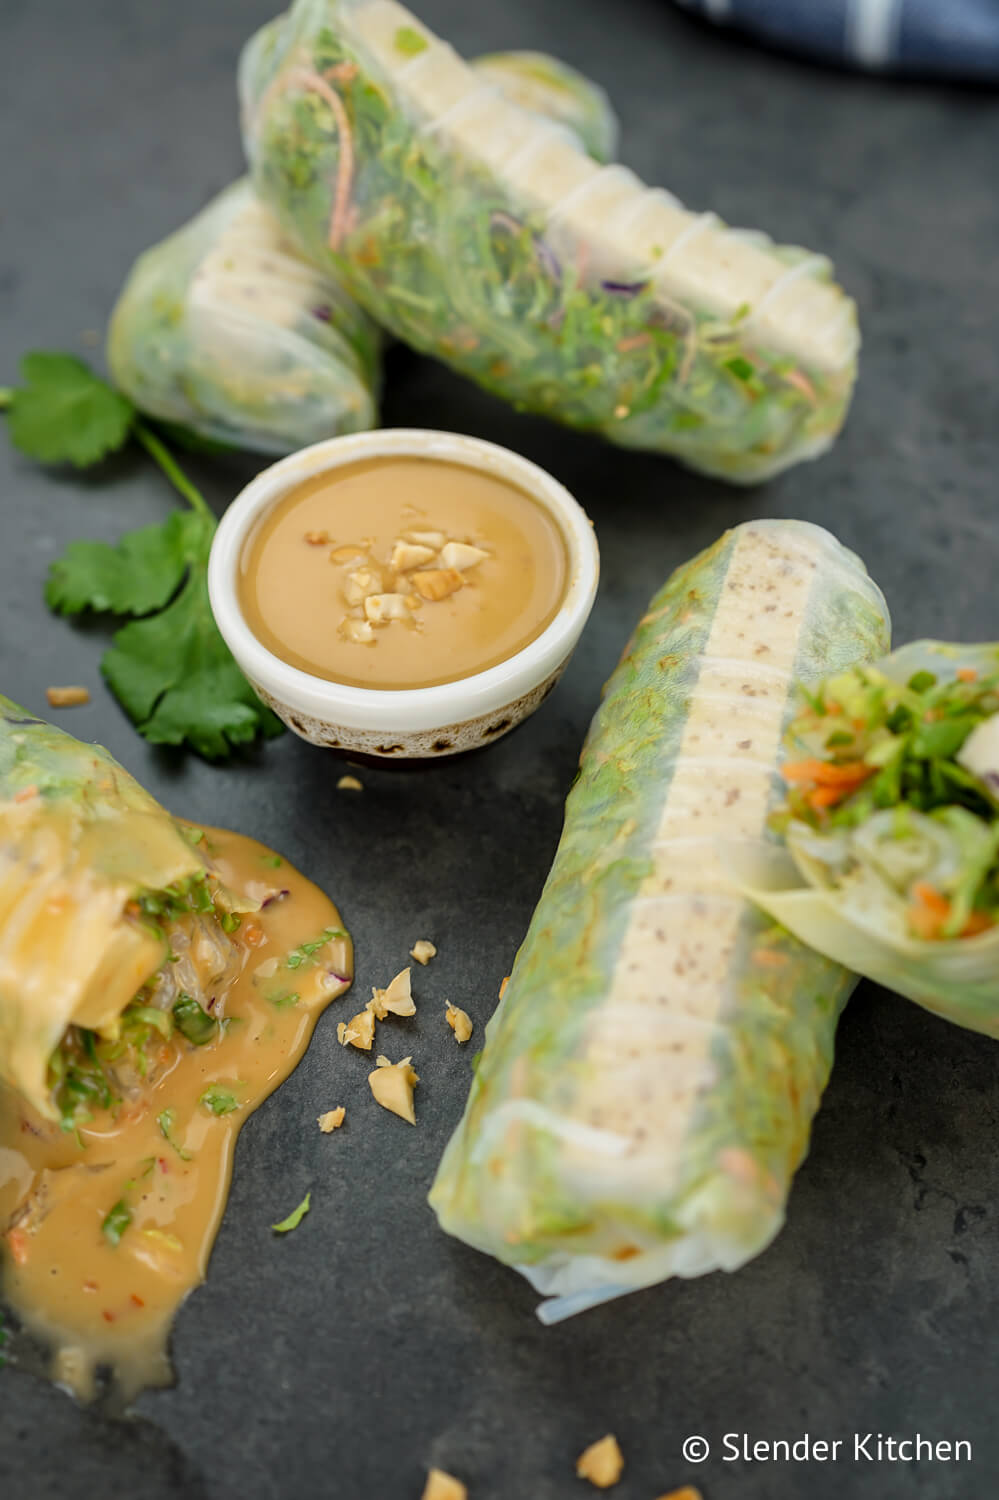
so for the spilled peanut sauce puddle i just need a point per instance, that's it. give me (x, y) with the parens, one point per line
(102, 1295)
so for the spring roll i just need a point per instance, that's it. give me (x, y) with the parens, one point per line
(98, 887)
(487, 237)
(892, 828)
(225, 327)
(649, 1080)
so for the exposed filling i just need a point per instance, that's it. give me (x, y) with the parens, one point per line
(893, 797)
(402, 573)
(110, 1211)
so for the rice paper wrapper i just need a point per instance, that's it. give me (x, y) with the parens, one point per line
(650, 1077)
(826, 892)
(79, 839)
(488, 237)
(547, 86)
(227, 328)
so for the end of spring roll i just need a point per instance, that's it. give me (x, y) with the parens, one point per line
(892, 827)
(488, 237)
(92, 873)
(649, 1080)
(225, 327)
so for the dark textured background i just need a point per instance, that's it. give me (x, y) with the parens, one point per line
(340, 1361)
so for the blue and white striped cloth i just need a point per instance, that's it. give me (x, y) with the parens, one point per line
(958, 37)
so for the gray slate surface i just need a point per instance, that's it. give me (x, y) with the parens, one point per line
(341, 1360)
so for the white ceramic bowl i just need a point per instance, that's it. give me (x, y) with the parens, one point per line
(420, 722)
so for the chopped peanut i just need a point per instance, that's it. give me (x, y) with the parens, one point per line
(406, 555)
(357, 630)
(432, 539)
(67, 697)
(601, 1463)
(346, 554)
(349, 784)
(379, 607)
(441, 1486)
(437, 583)
(459, 1021)
(361, 583)
(460, 555)
(392, 1085)
(331, 1120)
(423, 951)
(359, 1031)
(318, 538)
(396, 999)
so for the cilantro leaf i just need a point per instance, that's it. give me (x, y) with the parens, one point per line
(66, 413)
(219, 1100)
(169, 668)
(295, 1217)
(139, 575)
(171, 671)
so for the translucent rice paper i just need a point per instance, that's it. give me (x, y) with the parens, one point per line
(487, 237)
(832, 892)
(650, 1077)
(549, 87)
(226, 327)
(79, 839)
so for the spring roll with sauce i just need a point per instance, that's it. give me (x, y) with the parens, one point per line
(489, 238)
(650, 1077)
(892, 827)
(157, 981)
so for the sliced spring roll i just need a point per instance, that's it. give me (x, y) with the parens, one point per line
(96, 882)
(489, 238)
(225, 327)
(892, 828)
(649, 1080)
(157, 982)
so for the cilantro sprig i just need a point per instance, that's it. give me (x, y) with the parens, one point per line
(169, 667)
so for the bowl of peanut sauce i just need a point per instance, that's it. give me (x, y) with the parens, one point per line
(403, 593)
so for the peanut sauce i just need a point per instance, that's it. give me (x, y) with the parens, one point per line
(100, 1305)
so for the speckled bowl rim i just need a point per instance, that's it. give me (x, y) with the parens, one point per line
(407, 709)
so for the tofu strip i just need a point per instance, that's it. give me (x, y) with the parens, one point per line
(650, 1078)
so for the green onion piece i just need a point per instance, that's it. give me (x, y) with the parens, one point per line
(116, 1222)
(166, 1121)
(193, 1021)
(295, 1217)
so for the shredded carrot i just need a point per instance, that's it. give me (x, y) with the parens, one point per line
(25, 794)
(827, 796)
(966, 674)
(801, 383)
(137, 1300)
(107, 1315)
(769, 958)
(17, 1239)
(634, 341)
(503, 986)
(979, 921)
(825, 773)
(928, 910)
